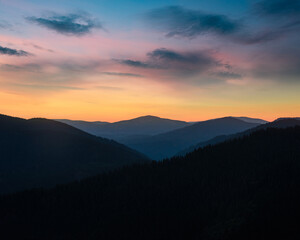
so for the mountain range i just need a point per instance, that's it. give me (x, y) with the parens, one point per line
(42, 153)
(166, 145)
(141, 126)
(160, 138)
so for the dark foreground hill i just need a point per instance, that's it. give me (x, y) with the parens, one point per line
(247, 188)
(41, 152)
(168, 144)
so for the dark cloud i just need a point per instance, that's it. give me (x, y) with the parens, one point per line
(286, 8)
(122, 74)
(228, 75)
(170, 56)
(177, 64)
(14, 52)
(134, 63)
(165, 54)
(179, 21)
(70, 25)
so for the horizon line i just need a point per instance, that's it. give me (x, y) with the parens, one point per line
(149, 115)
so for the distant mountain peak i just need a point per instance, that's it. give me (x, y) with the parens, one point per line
(143, 125)
(151, 117)
(251, 120)
(146, 117)
(287, 119)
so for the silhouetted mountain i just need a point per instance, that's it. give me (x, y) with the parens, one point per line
(278, 123)
(137, 127)
(168, 144)
(247, 188)
(286, 118)
(252, 120)
(41, 152)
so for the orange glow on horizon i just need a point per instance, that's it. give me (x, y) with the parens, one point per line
(95, 105)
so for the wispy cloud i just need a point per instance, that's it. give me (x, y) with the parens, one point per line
(47, 87)
(109, 88)
(281, 65)
(70, 67)
(2, 25)
(39, 47)
(70, 25)
(228, 75)
(120, 74)
(14, 52)
(259, 37)
(5, 25)
(135, 63)
(31, 67)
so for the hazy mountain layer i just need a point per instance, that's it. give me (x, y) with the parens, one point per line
(279, 123)
(141, 126)
(168, 144)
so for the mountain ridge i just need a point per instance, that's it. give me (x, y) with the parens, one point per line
(41, 152)
(167, 144)
(144, 125)
(278, 123)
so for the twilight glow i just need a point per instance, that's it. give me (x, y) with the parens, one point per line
(111, 60)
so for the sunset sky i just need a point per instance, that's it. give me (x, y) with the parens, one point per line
(109, 60)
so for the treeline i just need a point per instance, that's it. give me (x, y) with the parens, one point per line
(247, 188)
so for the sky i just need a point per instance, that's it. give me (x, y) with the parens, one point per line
(109, 60)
